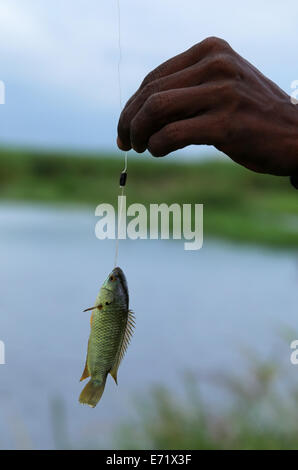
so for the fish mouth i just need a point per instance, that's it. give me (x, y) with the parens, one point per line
(121, 276)
(118, 272)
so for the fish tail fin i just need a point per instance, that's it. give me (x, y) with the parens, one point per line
(92, 392)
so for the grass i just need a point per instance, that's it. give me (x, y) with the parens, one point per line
(257, 411)
(238, 204)
(259, 417)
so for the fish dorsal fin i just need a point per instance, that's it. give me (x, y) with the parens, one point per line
(124, 345)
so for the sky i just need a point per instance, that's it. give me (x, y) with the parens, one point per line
(58, 59)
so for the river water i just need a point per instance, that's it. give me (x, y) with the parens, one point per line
(195, 311)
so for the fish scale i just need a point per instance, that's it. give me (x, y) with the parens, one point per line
(106, 336)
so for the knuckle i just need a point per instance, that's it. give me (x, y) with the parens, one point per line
(210, 42)
(194, 51)
(152, 105)
(147, 79)
(150, 89)
(155, 105)
(217, 63)
(223, 63)
(226, 90)
(213, 42)
(152, 76)
(230, 64)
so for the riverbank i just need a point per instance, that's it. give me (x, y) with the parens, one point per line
(238, 205)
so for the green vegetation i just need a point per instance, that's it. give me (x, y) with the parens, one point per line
(257, 411)
(239, 204)
(260, 416)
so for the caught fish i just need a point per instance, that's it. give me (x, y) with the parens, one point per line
(112, 326)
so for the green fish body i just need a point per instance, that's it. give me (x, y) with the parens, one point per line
(111, 328)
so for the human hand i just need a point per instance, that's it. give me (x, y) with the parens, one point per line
(211, 95)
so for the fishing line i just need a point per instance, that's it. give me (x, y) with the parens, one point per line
(123, 176)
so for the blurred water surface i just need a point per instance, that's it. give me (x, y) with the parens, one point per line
(195, 311)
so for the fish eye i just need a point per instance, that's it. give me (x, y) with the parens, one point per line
(108, 303)
(112, 278)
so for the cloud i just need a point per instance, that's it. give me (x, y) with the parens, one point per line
(66, 52)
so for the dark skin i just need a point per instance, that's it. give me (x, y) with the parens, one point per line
(211, 95)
